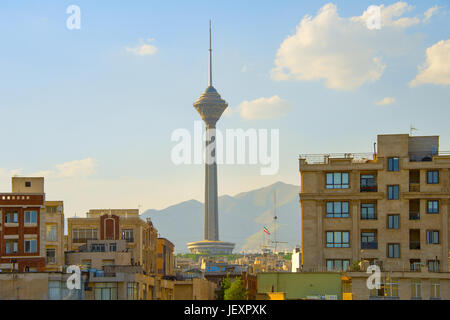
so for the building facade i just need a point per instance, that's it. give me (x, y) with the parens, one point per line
(389, 208)
(31, 228)
(117, 224)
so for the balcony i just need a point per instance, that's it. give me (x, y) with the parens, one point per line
(369, 188)
(414, 245)
(369, 245)
(325, 158)
(414, 216)
(414, 187)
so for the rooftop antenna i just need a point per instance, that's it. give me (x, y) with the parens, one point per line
(411, 129)
(275, 218)
(210, 57)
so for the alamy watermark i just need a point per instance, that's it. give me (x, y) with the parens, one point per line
(73, 22)
(236, 146)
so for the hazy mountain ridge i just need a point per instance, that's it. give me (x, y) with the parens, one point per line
(241, 218)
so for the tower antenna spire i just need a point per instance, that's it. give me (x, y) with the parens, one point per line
(210, 57)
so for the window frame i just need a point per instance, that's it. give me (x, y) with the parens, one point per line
(389, 224)
(334, 214)
(335, 185)
(392, 161)
(394, 186)
(337, 244)
(433, 172)
(433, 233)
(30, 246)
(394, 245)
(27, 216)
(367, 214)
(433, 207)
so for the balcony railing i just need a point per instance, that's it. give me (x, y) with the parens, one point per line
(414, 245)
(414, 187)
(426, 155)
(325, 158)
(369, 245)
(414, 216)
(368, 188)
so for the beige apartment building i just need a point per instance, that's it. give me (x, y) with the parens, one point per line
(389, 208)
(31, 228)
(117, 224)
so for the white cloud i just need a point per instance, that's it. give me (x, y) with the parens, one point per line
(342, 51)
(144, 49)
(385, 101)
(429, 13)
(72, 169)
(264, 108)
(436, 69)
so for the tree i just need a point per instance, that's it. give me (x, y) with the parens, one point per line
(236, 290)
(226, 283)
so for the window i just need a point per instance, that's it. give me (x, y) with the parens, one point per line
(98, 247)
(393, 221)
(393, 250)
(433, 177)
(11, 217)
(388, 289)
(369, 240)
(31, 246)
(86, 264)
(51, 256)
(51, 232)
(113, 247)
(433, 206)
(433, 265)
(416, 289)
(337, 180)
(414, 264)
(82, 235)
(30, 217)
(338, 239)
(393, 192)
(338, 264)
(132, 292)
(105, 291)
(392, 164)
(128, 234)
(28, 184)
(10, 246)
(435, 289)
(368, 211)
(337, 209)
(367, 183)
(433, 237)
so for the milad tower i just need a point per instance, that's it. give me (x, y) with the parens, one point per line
(210, 106)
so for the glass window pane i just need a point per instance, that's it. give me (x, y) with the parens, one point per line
(329, 207)
(337, 178)
(337, 208)
(329, 178)
(345, 207)
(345, 178)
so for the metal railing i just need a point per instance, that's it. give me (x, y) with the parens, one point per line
(416, 156)
(369, 245)
(414, 216)
(324, 158)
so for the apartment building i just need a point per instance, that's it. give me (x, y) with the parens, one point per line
(31, 228)
(117, 224)
(165, 261)
(389, 208)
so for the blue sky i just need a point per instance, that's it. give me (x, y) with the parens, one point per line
(96, 119)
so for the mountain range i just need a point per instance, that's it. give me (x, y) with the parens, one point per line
(242, 219)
